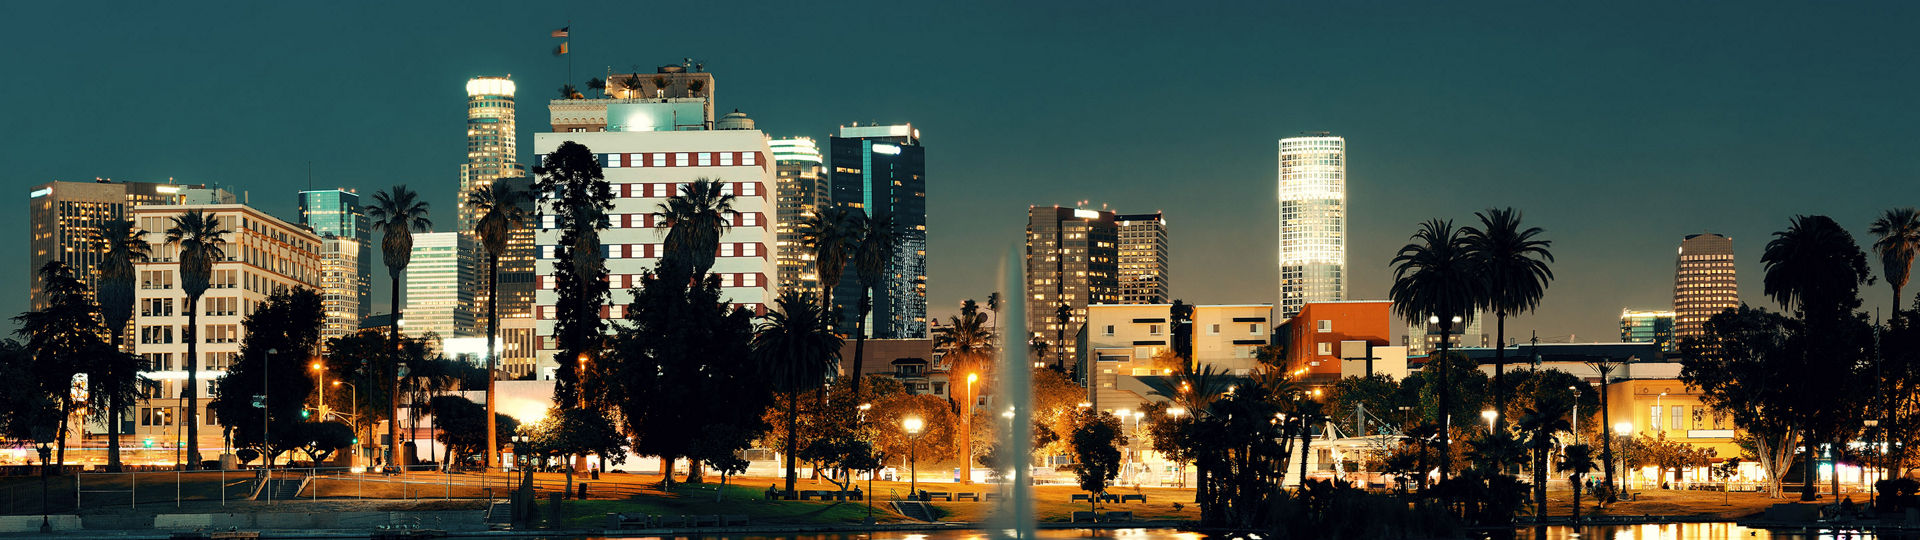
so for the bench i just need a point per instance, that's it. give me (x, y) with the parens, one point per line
(1085, 517)
(1080, 497)
(1118, 517)
(965, 496)
(988, 496)
(733, 520)
(623, 521)
(702, 520)
(1135, 498)
(1108, 497)
(931, 495)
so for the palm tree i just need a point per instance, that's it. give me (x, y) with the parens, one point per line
(694, 220)
(1546, 418)
(832, 234)
(397, 213)
(993, 305)
(200, 237)
(1577, 461)
(501, 213)
(1310, 414)
(1813, 266)
(797, 348)
(970, 345)
(1434, 280)
(1898, 239)
(1514, 264)
(870, 264)
(126, 245)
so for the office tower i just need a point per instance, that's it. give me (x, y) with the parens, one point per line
(490, 142)
(337, 213)
(802, 192)
(1648, 326)
(645, 163)
(881, 170)
(1313, 221)
(1143, 259)
(65, 218)
(343, 294)
(1703, 283)
(435, 298)
(1072, 261)
(1424, 337)
(264, 255)
(672, 98)
(516, 265)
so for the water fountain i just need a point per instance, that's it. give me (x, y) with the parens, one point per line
(1013, 514)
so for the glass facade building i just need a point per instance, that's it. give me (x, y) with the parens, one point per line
(1703, 282)
(1143, 259)
(337, 213)
(1072, 261)
(802, 189)
(1648, 326)
(882, 170)
(1313, 221)
(435, 298)
(65, 219)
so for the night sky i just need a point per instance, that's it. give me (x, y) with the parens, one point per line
(1619, 128)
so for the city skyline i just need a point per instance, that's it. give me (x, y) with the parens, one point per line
(1434, 136)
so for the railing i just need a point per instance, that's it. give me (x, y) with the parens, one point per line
(70, 488)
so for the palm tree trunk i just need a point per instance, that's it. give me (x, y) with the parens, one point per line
(1499, 370)
(793, 438)
(394, 457)
(1576, 501)
(1807, 491)
(860, 340)
(192, 391)
(1606, 437)
(113, 407)
(1306, 445)
(1446, 418)
(1540, 473)
(493, 329)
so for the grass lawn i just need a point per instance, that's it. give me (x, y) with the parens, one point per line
(738, 499)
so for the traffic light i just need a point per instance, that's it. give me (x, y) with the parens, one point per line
(305, 414)
(356, 440)
(147, 443)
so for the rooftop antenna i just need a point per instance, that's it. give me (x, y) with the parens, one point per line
(309, 175)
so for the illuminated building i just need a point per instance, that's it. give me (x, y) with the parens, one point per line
(1072, 257)
(802, 191)
(1317, 335)
(1648, 326)
(517, 280)
(1143, 259)
(65, 219)
(1703, 283)
(881, 170)
(491, 156)
(1123, 339)
(1313, 221)
(1424, 337)
(645, 162)
(436, 300)
(345, 285)
(264, 255)
(673, 98)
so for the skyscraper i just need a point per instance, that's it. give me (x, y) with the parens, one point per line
(337, 213)
(1313, 221)
(1143, 259)
(1648, 326)
(66, 218)
(1072, 261)
(802, 191)
(1703, 282)
(516, 265)
(435, 298)
(491, 156)
(881, 170)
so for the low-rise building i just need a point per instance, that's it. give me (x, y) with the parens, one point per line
(1322, 334)
(1124, 340)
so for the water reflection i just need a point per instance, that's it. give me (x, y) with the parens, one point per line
(1662, 531)
(1042, 534)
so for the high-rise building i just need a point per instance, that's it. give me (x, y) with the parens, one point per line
(1143, 259)
(491, 156)
(1648, 326)
(1072, 262)
(802, 192)
(1313, 221)
(646, 163)
(1703, 283)
(264, 255)
(436, 300)
(881, 170)
(337, 213)
(516, 265)
(65, 219)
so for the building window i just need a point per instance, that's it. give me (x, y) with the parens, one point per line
(1325, 326)
(1109, 329)
(1679, 416)
(1326, 348)
(1656, 419)
(1213, 330)
(1254, 329)
(1153, 329)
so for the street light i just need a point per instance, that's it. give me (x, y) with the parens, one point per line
(1656, 412)
(913, 424)
(1576, 413)
(1873, 488)
(1623, 429)
(353, 398)
(1490, 415)
(320, 370)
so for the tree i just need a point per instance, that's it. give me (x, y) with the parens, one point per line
(1667, 455)
(1577, 461)
(200, 238)
(463, 426)
(282, 334)
(870, 262)
(575, 190)
(1096, 440)
(682, 344)
(1377, 394)
(832, 234)
(1180, 318)
(1541, 422)
(935, 443)
(1605, 367)
(1897, 240)
(797, 349)
(64, 340)
(319, 440)
(364, 360)
(694, 220)
(1434, 278)
(1815, 269)
(501, 213)
(970, 351)
(575, 432)
(1737, 363)
(397, 213)
(1513, 263)
(126, 245)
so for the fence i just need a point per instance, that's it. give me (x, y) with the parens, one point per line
(70, 490)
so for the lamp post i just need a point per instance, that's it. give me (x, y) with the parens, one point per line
(43, 438)
(320, 402)
(260, 400)
(1623, 429)
(1490, 415)
(1576, 413)
(913, 425)
(353, 400)
(868, 496)
(1657, 411)
(966, 454)
(1872, 488)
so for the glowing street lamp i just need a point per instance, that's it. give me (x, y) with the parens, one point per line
(914, 425)
(1623, 429)
(1490, 415)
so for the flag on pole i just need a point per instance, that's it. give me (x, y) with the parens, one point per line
(562, 49)
(562, 32)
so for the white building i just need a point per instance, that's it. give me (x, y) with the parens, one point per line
(341, 287)
(263, 255)
(646, 167)
(1313, 221)
(1122, 340)
(437, 297)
